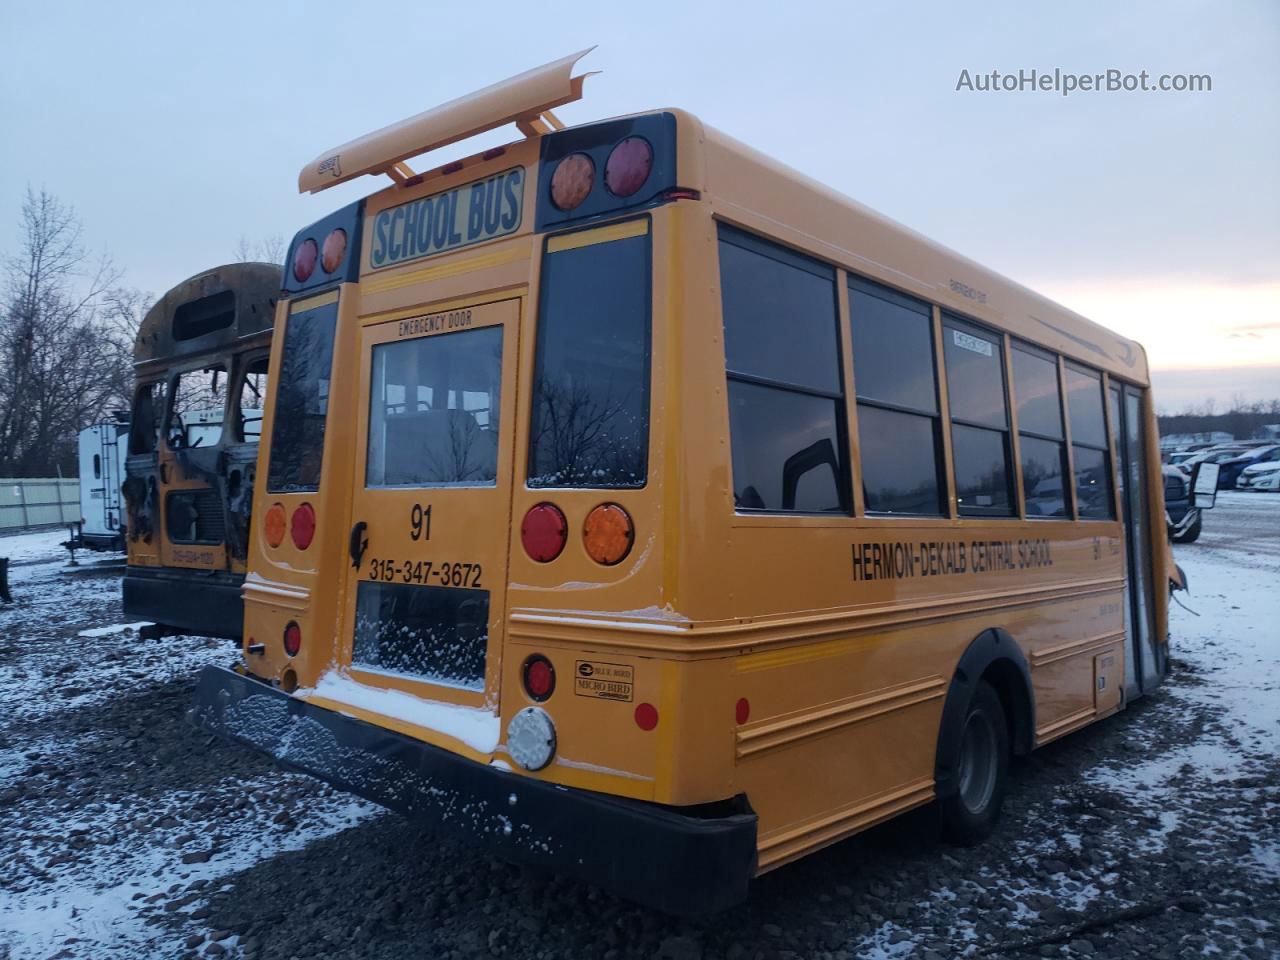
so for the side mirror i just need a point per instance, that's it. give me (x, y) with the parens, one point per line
(1204, 485)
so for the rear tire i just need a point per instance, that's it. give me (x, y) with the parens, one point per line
(1191, 534)
(971, 813)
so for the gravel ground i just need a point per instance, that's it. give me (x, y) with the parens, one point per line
(125, 834)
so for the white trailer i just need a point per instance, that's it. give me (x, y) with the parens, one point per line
(103, 448)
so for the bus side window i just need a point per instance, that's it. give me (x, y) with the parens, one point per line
(1089, 443)
(148, 411)
(899, 429)
(979, 418)
(782, 362)
(1040, 433)
(253, 398)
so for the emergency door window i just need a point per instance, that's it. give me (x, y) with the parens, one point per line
(433, 411)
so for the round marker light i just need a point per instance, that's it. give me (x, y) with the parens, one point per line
(544, 532)
(608, 534)
(628, 166)
(273, 525)
(539, 677)
(302, 526)
(292, 639)
(304, 260)
(742, 710)
(531, 738)
(646, 716)
(335, 248)
(572, 181)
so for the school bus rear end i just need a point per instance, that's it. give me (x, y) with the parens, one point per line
(499, 573)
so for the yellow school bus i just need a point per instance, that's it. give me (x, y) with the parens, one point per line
(200, 361)
(674, 515)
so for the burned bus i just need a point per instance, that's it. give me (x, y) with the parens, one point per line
(201, 366)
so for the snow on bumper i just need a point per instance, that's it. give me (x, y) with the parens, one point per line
(655, 855)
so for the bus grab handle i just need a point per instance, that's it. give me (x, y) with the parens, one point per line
(358, 543)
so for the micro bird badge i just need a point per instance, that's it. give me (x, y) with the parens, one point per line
(331, 166)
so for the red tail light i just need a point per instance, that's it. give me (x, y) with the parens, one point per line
(292, 639)
(304, 260)
(742, 710)
(302, 526)
(544, 532)
(628, 166)
(335, 248)
(539, 677)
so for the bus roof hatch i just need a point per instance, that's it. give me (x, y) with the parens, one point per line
(525, 100)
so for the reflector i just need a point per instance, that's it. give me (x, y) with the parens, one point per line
(292, 639)
(539, 677)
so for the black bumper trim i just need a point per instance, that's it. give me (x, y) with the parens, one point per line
(197, 604)
(655, 855)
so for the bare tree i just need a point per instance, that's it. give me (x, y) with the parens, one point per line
(59, 358)
(270, 249)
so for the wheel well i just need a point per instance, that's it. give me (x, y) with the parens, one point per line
(1007, 681)
(993, 656)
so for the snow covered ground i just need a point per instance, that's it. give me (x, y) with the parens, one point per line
(125, 834)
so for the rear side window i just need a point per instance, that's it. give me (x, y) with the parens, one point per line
(898, 417)
(1040, 435)
(782, 361)
(302, 401)
(1089, 451)
(590, 423)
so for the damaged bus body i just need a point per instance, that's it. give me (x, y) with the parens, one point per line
(201, 366)
(680, 516)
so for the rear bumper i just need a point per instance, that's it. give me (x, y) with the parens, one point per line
(190, 602)
(658, 856)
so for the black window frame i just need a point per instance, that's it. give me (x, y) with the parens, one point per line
(1108, 467)
(867, 287)
(953, 321)
(1064, 461)
(772, 249)
(538, 354)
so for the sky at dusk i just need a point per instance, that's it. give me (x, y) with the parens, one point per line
(177, 129)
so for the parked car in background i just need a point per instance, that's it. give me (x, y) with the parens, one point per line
(1183, 519)
(1217, 454)
(1231, 468)
(1260, 476)
(1180, 456)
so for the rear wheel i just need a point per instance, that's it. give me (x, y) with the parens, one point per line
(972, 811)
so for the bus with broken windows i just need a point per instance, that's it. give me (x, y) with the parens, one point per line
(200, 360)
(680, 516)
